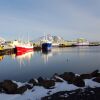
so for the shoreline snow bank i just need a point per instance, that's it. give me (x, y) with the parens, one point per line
(37, 89)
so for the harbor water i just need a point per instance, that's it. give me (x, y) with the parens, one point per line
(23, 67)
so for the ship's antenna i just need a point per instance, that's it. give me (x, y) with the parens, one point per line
(44, 36)
(28, 37)
(19, 38)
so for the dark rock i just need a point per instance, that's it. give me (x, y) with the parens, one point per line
(9, 87)
(56, 74)
(87, 94)
(86, 76)
(21, 90)
(68, 76)
(95, 73)
(56, 78)
(40, 79)
(1, 87)
(98, 75)
(32, 81)
(78, 82)
(97, 79)
(48, 83)
(91, 75)
(28, 86)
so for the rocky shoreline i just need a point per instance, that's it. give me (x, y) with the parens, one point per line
(66, 86)
(79, 94)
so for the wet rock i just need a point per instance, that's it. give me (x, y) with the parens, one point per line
(68, 76)
(97, 79)
(9, 87)
(78, 82)
(21, 90)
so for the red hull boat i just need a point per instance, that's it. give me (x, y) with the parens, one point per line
(24, 48)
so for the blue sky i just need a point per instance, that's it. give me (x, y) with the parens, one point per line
(67, 18)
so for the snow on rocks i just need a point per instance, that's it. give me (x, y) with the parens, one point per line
(36, 89)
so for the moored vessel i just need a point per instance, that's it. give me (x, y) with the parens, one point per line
(81, 42)
(46, 43)
(24, 47)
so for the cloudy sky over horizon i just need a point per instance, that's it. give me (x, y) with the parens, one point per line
(67, 18)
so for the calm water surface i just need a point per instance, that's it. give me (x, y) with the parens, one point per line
(34, 64)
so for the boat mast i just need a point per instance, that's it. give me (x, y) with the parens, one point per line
(28, 37)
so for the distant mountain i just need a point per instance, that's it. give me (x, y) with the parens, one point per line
(49, 37)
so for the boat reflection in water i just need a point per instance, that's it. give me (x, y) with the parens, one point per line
(1, 57)
(23, 57)
(46, 55)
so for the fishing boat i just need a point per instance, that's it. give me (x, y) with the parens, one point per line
(81, 42)
(24, 47)
(55, 44)
(46, 44)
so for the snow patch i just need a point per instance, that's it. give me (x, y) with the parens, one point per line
(37, 92)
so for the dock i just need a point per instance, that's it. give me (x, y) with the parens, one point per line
(7, 51)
